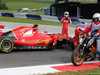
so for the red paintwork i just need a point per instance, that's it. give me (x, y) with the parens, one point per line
(34, 39)
(1, 29)
(74, 68)
(30, 36)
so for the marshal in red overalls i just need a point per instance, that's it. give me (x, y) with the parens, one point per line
(66, 21)
(81, 26)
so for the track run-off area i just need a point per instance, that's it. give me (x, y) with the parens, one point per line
(23, 62)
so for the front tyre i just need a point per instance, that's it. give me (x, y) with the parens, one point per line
(6, 45)
(76, 59)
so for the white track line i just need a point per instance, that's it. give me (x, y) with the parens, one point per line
(29, 70)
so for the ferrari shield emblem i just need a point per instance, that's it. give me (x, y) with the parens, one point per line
(39, 42)
(56, 36)
(23, 31)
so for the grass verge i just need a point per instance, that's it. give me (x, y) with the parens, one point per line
(13, 6)
(31, 21)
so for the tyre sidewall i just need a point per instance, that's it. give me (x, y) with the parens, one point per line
(6, 51)
(72, 57)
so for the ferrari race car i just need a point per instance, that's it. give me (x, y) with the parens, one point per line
(29, 37)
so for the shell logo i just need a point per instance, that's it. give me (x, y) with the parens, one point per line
(47, 41)
(39, 41)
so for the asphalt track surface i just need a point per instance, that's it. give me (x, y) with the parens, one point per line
(21, 58)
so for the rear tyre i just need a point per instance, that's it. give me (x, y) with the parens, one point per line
(6, 45)
(50, 46)
(59, 45)
(76, 59)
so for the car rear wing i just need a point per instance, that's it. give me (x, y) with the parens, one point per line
(1, 29)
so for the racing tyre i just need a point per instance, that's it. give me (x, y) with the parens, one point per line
(50, 46)
(6, 45)
(76, 59)
(59, 45)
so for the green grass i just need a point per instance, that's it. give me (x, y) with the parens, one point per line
(95, 71)
(31, 21)
(30, 5)
(89, 1)
(13, 6)
(28, 0)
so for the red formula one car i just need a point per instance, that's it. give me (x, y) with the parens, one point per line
(29, 37)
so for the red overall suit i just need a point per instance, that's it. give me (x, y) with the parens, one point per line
(65, 22)
(77, 32)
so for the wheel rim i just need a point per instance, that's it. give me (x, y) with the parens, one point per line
(77, 59)
(6, 45)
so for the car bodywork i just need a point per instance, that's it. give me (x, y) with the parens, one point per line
(30, 37)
